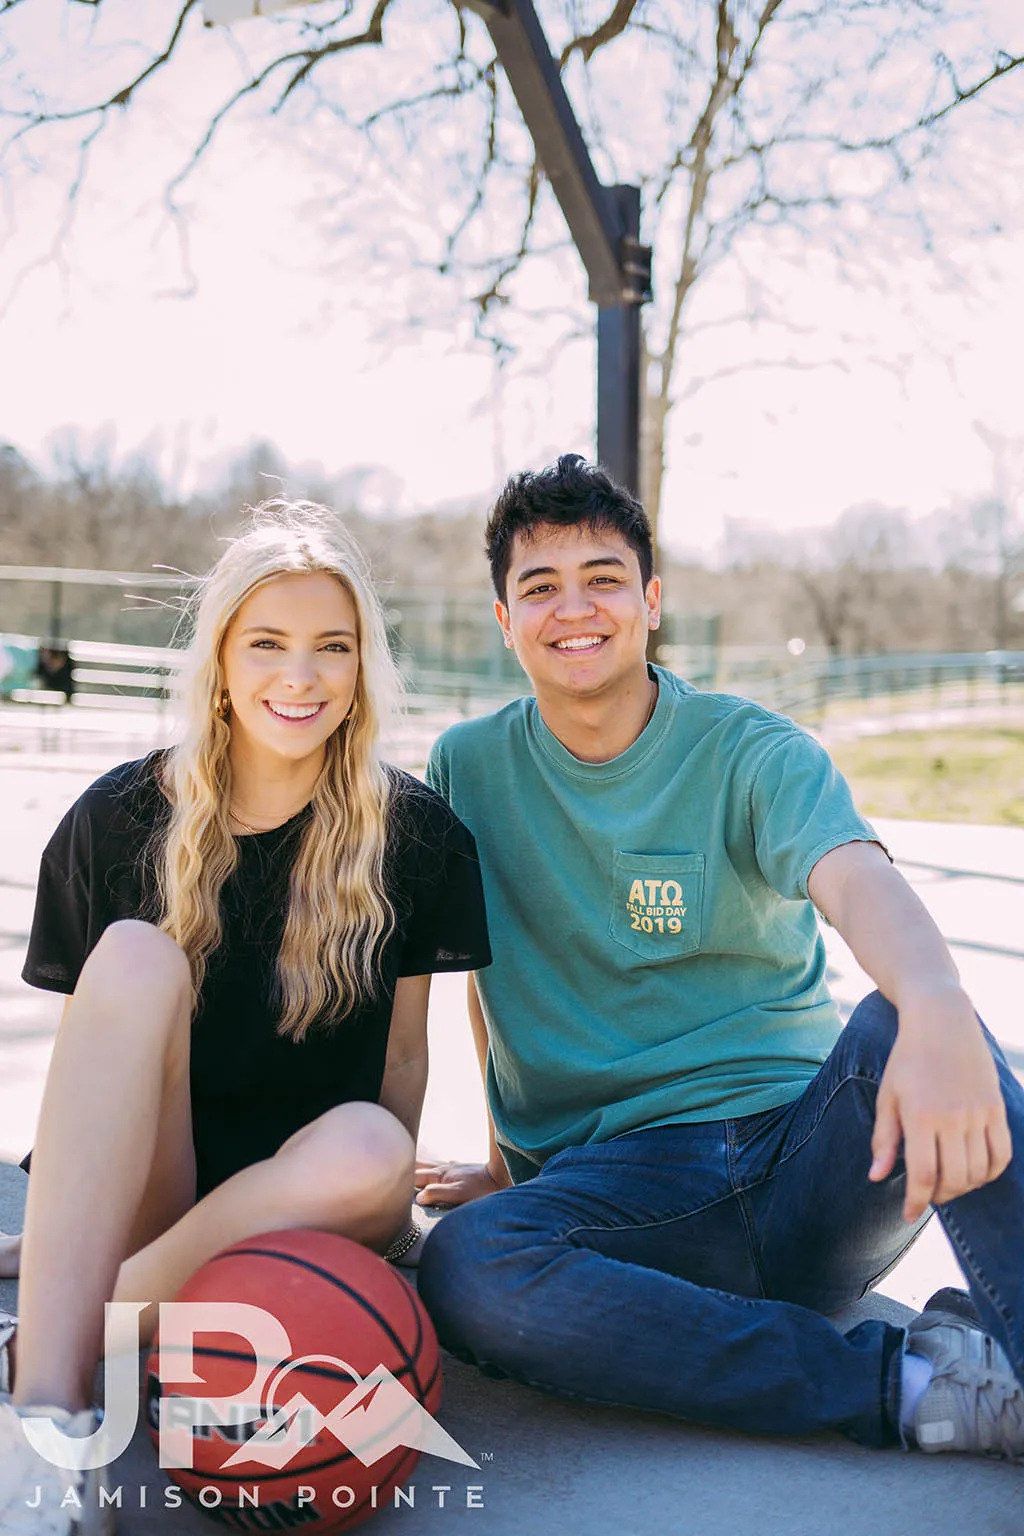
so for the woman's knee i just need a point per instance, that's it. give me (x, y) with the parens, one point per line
(358, 1152)
(136, 989)
(135, 957)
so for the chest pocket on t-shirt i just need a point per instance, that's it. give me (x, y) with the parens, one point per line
(657, 901)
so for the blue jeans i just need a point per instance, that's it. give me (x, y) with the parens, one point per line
(686, 1268)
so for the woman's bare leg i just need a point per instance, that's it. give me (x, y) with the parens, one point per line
(113, 1160)
(350, 1171)
(113, 1169)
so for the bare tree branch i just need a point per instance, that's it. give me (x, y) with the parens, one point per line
(372, 36)
(613, 26)
(1006, 64)
(421, 98)
(122, 97)
(725, 87)
(493, 294)
(790, 364)
(54, 256)
(480, 190)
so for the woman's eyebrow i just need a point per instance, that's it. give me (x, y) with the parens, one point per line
(327, 634)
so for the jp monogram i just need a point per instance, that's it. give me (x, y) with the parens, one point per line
(373, 1416)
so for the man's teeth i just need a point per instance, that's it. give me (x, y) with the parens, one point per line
(584, 643)
(294, 711)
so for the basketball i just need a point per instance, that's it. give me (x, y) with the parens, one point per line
(356, 1345)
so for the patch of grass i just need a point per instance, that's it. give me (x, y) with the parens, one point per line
(974, 775)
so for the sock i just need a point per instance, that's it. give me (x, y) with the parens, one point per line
(7, 1329)
(917, 1373)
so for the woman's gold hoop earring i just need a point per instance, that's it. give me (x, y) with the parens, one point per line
(222, 708)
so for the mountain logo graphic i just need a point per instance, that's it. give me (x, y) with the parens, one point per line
(378, 1416)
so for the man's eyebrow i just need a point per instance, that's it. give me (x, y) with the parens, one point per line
(549, 570)
(327, 634)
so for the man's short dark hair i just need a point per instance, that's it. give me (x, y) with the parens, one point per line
(569, 494)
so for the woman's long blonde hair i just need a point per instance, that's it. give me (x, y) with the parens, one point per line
(339, 914)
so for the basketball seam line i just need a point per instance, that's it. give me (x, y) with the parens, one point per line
(383, 1324)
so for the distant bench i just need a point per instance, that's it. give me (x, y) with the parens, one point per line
(104, 673)
(112, 683)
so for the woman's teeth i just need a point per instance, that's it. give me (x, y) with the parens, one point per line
(294, 711)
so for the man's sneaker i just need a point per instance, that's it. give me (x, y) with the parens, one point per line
(973, 1402)
(8, 1325)
(38, 1499)
(951, 1299)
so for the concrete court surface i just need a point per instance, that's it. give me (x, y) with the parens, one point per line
(553, 1467)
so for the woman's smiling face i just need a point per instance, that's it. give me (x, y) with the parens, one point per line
(290, 660)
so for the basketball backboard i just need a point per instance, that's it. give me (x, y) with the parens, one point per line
(224, 12)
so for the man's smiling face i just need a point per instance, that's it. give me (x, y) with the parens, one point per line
(576, 611)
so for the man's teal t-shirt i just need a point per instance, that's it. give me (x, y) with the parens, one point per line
(656, 958)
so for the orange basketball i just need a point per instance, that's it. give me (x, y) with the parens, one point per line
(362, 1349)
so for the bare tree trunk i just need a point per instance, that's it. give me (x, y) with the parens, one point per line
(652, 455)
(725, 85)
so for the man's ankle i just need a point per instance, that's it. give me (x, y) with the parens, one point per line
(916, 1374)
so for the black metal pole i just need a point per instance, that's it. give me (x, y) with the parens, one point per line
(618, 393)
(618, 356)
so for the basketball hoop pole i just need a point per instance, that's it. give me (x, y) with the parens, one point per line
(604, 223)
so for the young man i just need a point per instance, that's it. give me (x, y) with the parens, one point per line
(702, 1162)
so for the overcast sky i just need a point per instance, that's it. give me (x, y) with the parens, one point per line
(280, 341)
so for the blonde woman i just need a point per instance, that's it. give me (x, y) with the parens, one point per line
(245, 925)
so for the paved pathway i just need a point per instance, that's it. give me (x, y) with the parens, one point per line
(552, 1467)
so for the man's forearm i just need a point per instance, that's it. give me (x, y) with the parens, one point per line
(886, 925)
(939, 1097)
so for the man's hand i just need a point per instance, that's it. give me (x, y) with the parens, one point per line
(457, 1183)
(940, 1091)
(940, 1094)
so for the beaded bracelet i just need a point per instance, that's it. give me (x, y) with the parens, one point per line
(402, 1244)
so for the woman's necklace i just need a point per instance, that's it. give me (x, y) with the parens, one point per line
(235, 817)
(258, 830)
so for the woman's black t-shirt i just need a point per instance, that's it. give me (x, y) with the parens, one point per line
(252, 1087)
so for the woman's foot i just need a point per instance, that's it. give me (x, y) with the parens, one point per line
(10, 1255)
(36, 1497)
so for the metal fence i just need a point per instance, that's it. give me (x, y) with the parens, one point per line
(815, 689)
(445, 641)
(450, 651)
